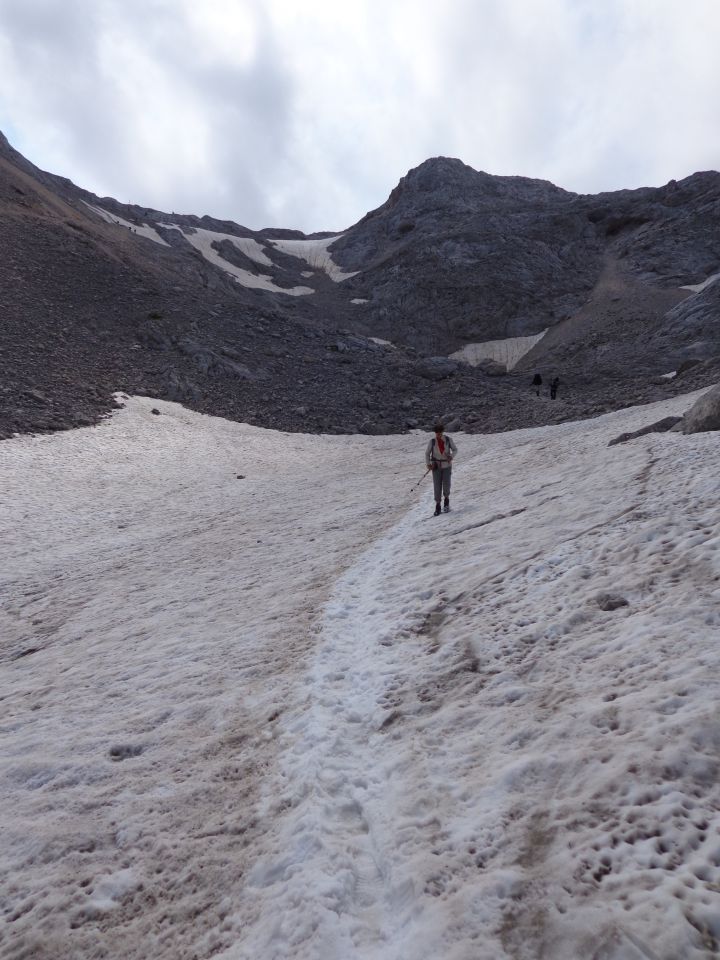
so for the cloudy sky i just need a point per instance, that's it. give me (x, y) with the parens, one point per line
(305, 113)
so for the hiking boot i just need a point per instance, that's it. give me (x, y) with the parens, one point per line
(437, 509)
(446, 506)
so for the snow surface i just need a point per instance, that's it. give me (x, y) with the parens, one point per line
(359, 300)
(699, 287)
(142, 230)
(315, 252)
(293, 715)
(508, 351)
(203, 241)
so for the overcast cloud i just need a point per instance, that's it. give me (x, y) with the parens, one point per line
(306, 114)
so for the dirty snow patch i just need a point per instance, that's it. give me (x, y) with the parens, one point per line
(699, 287)
(203, 241)
(315, 252)
(302, 743)
(142, 230)
(509, 351)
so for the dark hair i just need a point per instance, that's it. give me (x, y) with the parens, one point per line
(439, 427)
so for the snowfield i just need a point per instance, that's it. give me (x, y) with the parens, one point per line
(204, 240)
(294, 716)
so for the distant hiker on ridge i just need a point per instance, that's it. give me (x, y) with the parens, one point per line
(439, 455)
(554, 384)
(537, 383)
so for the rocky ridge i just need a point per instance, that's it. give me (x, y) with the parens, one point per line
(454, 256)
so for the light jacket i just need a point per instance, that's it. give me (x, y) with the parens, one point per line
(433, 455)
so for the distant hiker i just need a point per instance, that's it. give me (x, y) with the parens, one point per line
(439, 455)
(537, 383)
(554, 384)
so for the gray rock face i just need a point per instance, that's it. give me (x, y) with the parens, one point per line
(690, 331)
(452, 245)
(704, 414)
(457, 256)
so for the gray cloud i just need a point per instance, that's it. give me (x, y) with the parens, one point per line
(272, 112)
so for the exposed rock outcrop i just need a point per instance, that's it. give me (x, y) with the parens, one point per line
(704, 414)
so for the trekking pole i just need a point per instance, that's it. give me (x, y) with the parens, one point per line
(421, 479)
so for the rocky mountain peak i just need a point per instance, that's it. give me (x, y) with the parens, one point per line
(448, 183)
(292, 332)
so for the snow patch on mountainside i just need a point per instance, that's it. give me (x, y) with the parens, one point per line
(315, 252)
(699, 287)
(203, 241)
(142, 230)
(509, 351)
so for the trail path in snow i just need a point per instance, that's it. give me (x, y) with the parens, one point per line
(293, 716)
(433, 767)
(155, 613)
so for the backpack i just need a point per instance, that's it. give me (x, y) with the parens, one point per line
(447, 446)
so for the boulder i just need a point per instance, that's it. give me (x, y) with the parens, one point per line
(611, 601)
(437, 368)
(492, 368)
(704, 414)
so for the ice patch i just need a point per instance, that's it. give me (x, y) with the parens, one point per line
(509, 351)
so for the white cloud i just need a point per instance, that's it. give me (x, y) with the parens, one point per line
(306, 114)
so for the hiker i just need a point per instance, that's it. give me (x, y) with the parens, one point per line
(537, 383)
(439, 455)
(554, 384)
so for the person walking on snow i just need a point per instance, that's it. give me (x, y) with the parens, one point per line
(439, 455)
(537, 383)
